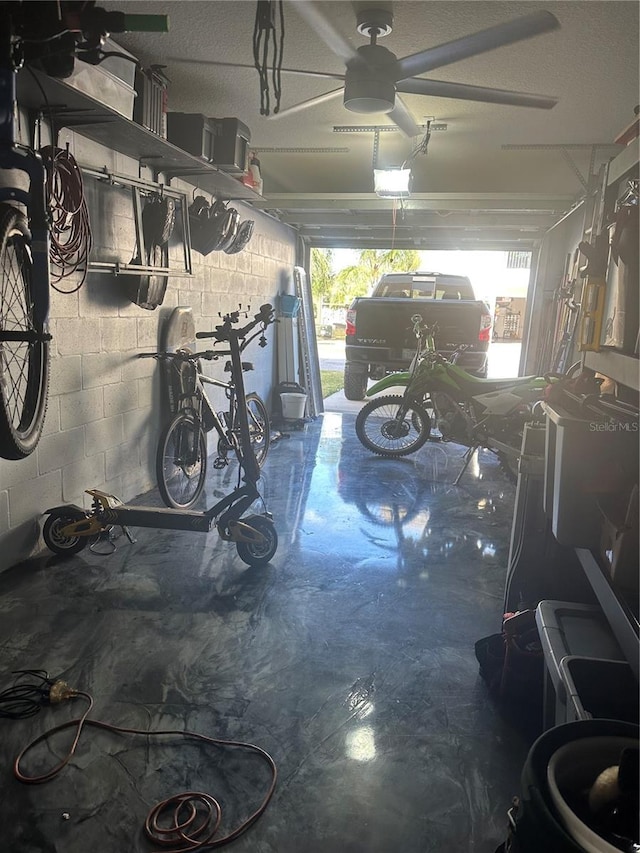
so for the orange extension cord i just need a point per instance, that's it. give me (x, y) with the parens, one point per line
(184, 822)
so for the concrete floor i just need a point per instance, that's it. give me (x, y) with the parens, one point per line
(349, 658)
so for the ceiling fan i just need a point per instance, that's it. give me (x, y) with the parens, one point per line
(375, 77)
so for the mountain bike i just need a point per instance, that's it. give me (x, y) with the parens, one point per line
(181, 458)
(47, 36)
(69, 528)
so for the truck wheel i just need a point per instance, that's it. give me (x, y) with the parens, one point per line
(355, 382)
(381, 432)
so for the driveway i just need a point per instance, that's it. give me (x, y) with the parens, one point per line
(503, 362)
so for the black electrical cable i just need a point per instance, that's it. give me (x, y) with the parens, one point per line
(25, 698)
(181, 823)
(264, 30)
(277, 59)
(258, 31)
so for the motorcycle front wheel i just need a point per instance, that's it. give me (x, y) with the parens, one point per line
(381, 430)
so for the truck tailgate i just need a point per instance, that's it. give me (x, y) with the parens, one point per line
(387, 322)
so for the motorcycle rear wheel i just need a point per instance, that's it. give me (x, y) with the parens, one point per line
(380, 431)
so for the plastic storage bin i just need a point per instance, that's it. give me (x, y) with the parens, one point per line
(582, 662)
(605, 689)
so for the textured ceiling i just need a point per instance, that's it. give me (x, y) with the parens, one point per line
(468, 183)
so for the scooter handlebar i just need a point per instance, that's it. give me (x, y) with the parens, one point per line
(265, 315)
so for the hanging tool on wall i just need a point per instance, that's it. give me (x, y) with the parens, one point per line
(594, 272)
(269, 14)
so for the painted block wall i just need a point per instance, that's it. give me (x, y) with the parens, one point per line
(104, 412)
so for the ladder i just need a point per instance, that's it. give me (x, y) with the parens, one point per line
(308, 343)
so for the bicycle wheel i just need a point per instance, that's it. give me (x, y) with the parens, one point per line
(380, 431)
(258, 427)
(181, 462)
(24, 364)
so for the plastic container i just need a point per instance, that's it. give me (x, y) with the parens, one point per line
(576, 631)
(571, 771)
(606, 689)
(538, 824)
(293, 406)
(289, 305)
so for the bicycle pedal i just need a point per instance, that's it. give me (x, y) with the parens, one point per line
(220, 462)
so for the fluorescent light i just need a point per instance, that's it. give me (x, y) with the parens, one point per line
(392, 183)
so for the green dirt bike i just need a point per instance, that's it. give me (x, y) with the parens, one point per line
(440, 396)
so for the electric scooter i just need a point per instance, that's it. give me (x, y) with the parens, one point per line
(69, 528)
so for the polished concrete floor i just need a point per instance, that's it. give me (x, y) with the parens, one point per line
(349, 658)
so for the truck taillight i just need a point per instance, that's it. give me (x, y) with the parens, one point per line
(485, 327)
(351, 322)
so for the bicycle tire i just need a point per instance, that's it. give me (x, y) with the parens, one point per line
(380, 433)
(259, 429)
(24, 365)
(181, 462)
(259, 553)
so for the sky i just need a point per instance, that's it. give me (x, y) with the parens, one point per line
(487, 270)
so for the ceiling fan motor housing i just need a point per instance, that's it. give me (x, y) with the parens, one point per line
(368, 84)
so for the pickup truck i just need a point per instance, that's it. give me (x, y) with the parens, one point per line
(379, 338)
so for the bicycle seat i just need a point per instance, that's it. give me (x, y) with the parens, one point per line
(246, 365)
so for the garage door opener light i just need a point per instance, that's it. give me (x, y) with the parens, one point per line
(392, 183)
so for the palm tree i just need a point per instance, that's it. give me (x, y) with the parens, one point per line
(359, 279)
(322, 274)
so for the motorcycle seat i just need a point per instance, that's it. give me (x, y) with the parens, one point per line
(485, 386)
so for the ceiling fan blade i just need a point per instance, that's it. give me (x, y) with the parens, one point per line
(480, 42)
(323, 27)
(442, 89)
(326, 75)
(401, 116)
(310, 102)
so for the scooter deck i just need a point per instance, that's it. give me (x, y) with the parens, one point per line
(162, 517)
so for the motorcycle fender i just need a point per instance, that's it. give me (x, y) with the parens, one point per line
(391, 381)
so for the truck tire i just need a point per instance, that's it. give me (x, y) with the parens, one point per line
(355, 382)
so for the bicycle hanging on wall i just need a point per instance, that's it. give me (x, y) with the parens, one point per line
(68, 529)
(48, 36)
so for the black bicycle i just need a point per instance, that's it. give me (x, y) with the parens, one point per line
(48, 37)
(182, 457)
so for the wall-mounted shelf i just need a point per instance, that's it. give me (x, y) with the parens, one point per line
(75, 110)
(618, 366)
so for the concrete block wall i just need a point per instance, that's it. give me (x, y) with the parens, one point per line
(104, 413)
